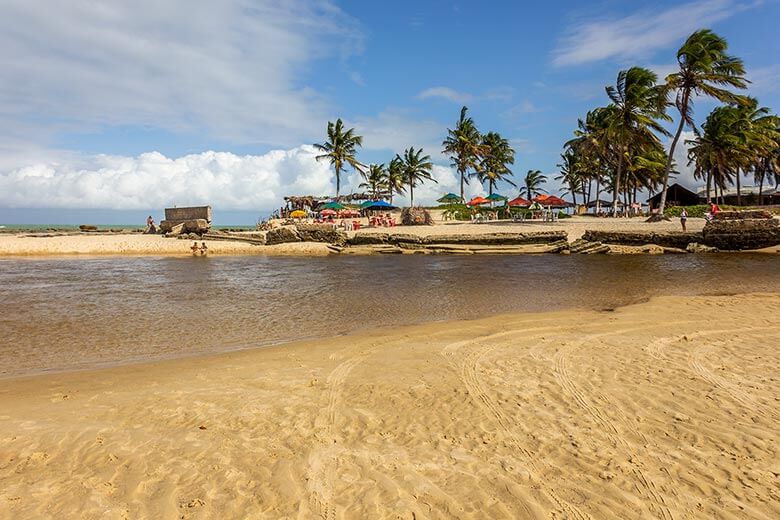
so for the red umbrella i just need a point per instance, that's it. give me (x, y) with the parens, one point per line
(520, 201)
(476, 201)
(327, 212)
(550, 200)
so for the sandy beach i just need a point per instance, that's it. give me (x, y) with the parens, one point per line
(96, 244)
(666, 409)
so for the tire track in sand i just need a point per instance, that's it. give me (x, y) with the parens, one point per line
(646, 487)
(469, 374)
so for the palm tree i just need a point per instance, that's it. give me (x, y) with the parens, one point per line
(493, 166)
(340, 149)
(376, 180)
(717, 151)
(767, 161)
(463, 146)
(758, 132)
(395, 177)
(533, 181)
(704, 69)
(632, 118)
(417, 169)
(571, 174)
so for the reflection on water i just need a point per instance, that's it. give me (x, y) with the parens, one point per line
(69, 314)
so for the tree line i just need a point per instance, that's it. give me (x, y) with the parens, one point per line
(616, 147)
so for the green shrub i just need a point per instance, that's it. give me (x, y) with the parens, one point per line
(561, 215)
(697, 211)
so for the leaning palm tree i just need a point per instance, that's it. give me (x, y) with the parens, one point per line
(632, 120)
(463, 146)
(533, 182)
(376, 180)
(395, 177)
(571, 174)
(705, 69)
(417, 169)
(340, 149)
(495, 161)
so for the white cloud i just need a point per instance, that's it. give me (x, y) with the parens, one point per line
(638, 34)
(232, 70)
(224, 180)
(445, 93)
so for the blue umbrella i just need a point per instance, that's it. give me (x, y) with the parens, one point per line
(379, 204)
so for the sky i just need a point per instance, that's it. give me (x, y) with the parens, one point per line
(113, 110)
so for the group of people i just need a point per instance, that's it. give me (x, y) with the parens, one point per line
(201, 250)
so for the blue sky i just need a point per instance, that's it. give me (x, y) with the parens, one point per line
(126, 108)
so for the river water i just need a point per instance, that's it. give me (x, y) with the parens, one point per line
(60, 314)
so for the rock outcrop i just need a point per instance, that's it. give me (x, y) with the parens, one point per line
(679, 240)
(282, 235)
(321, 233)
(756, 230)
(585, 247)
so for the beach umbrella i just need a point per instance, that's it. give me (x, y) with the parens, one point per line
(450, 198)
(476, 201)
(367, 203)
(551, 200)
(495, 197)
(379, 205)
(331, 205)
(327, 212)
(298, 213)
(519, 202)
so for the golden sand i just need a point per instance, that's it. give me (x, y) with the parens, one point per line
(667, 409)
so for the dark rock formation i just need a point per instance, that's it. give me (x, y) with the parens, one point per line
(498, 239)
(321, 233)
(416, 217)
(585, 247)
(365, 239)
(732, 234)
(678, 240)
(282, 235)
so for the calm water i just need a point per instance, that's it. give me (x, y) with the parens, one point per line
(71, 314)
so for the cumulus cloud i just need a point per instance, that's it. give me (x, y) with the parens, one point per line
(640, 33)
(224, 180)
(445, 93)
(234, 70)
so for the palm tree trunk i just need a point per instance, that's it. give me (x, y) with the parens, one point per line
(616, 190)
(739, 195)
(411, 195)
(462, 178)
(669, 159)
(761, 187)
(338, 182)
(709, 182)
(598, 194)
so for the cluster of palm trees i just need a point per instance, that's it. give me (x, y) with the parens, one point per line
(618, 146)
(403, 171)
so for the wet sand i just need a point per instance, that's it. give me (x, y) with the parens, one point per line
(666, 409)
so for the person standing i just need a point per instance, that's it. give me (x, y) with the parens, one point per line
(683, 218)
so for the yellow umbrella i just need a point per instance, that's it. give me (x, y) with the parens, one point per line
(298, 213)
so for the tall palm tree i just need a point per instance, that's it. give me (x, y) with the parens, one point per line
(494, 164)
(767, 161)
(463, 146)
(632, 120)
(571, 173)
(717, 151)
(758, 132)
(417, 169)
(395, 177)
(340, 149)
(705, 69)
(376, 180)
(533, 182)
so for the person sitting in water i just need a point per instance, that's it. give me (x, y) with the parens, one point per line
(203, 249)
(195, 249)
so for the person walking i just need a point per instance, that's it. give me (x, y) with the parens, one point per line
(683, 218)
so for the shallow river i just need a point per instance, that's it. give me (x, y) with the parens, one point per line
(73, 314)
